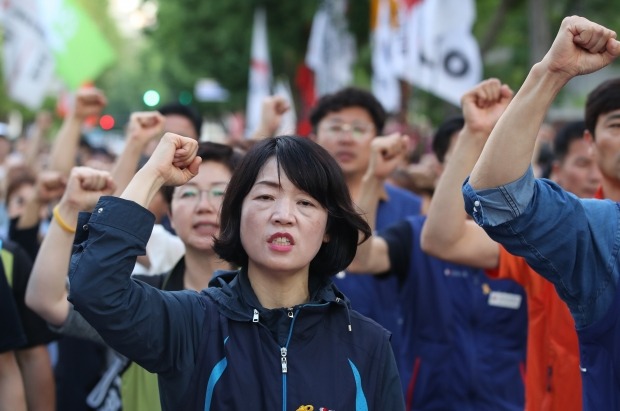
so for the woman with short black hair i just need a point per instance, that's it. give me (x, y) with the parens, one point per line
(275, 334)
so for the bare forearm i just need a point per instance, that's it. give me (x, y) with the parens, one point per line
(262, 133)
(34, 147)
(445, 223)
(367, 202)
(126, 165)
(374, 258)
(64, 148)
(508, 153)
(46, 293)
(143, 187)
(368, 199)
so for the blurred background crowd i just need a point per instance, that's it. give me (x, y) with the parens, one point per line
(96, 84)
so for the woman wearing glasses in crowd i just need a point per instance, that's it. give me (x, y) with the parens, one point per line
(194, 214)
(275, 334)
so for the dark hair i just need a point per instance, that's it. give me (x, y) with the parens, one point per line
(602, 100)
(18, 177)
(84, 143)
(216, 152)
(185, 111)
(310, 168)
(443, 136)
(565, 136)
(103, 152)
(346, 98)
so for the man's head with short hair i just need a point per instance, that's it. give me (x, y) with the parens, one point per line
(347, 98)
(602, 117)
(568, 133)
(602, 100)
(344, 123)
(444, 136)
(100, 158)
(574, 167)
(182, 119)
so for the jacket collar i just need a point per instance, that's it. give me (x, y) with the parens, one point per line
(232, 292)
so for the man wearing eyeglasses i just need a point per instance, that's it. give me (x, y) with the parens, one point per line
(345, 123)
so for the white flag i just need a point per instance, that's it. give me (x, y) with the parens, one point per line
(28, 61)
(385, 57)
(331, 48)
(288, 124)
(442, 55)
(260, 72)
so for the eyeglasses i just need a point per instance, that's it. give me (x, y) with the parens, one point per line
(359, 131)
(191, 194)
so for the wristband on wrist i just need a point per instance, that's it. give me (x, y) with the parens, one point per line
(62, 223)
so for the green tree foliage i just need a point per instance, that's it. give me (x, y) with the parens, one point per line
(212, 39)
(194, 39)
(505, 48)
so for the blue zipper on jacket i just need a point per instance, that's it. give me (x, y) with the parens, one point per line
(284, 350)
(284, 359)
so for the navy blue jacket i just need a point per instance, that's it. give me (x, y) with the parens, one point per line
(463, 349)
(220, 349)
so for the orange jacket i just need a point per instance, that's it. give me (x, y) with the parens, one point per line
(553, 380)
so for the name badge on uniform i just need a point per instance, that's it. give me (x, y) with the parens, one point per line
(505, 300)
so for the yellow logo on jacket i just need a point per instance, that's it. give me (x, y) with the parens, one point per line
(311, 408)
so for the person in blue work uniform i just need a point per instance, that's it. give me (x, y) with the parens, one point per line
(346, 123)
(275, 334)
(572, 242)
(464, 335)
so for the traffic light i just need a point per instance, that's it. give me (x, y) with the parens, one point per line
(106, 122)
(185, 98)
(151, 98)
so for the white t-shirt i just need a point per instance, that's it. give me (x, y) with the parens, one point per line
(164, 250)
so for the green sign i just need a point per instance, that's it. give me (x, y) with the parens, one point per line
(80, 49)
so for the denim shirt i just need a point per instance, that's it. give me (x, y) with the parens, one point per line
(572, 242)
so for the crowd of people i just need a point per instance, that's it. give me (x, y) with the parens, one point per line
(321, 272)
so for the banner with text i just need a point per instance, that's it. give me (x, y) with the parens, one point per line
(441, 53)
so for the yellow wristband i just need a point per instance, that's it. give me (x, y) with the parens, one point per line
(62, 223)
